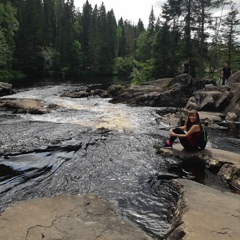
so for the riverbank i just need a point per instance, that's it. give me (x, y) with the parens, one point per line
(204, 212)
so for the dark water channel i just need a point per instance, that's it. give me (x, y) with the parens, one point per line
(90, 145)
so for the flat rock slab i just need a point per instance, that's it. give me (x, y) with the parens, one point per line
(85, 217)
(207, 213)
(210, 156)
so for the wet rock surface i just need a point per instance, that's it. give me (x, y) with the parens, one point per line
(207, 212)
(227, 164)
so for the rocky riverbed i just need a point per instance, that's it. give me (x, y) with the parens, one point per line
(91, 146)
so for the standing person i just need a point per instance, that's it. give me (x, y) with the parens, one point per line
(189, 134)
(226, 73)
(186, 66)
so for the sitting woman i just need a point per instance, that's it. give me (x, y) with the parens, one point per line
(189, 134)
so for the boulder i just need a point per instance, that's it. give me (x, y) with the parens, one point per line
(112, 91)
(226, 163)
(205, 213)
(225, 99)
(168, 92)
(5, 89)
(77, 93)
(211, 98)
(115, 90)
(234, 105)
(25, 105)
(235, 78)
(230, 173)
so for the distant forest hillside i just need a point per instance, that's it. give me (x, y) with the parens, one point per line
(52, 37)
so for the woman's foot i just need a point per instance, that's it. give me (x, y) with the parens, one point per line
(166, 144)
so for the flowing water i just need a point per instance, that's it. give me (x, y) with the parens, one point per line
(89, 145)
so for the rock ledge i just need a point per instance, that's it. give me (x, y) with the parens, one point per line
(85, 217)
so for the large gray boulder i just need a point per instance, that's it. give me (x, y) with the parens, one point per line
(168, 92)
(233, 109)
(211, 98)
(112, 91)
(225, 99)
(205, 213)
(235, 78)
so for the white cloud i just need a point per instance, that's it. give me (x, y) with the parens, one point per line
(131, 9)
(128, 9)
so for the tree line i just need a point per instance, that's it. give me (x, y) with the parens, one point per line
(51, 37)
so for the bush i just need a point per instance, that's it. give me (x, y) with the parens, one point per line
(8, 75)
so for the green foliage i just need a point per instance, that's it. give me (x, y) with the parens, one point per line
(51, 60)
(123, 65)
(6, 75)
(8, 27)
(142, 50)
(142, 72)
(5, 52)
(166, 54)
(78, 56)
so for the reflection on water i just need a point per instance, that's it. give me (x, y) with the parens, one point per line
(103, 81)
(18, 169)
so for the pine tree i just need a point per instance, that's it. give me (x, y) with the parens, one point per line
(112, 35)
(230, 32)
(94, 43)
(86, 27)
(49, 21)
(151, 33)
(8, 27)
(30, 35)
(122, 42)
(140, 27)
(130, 33)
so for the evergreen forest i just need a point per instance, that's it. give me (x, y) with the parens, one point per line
(53, 37)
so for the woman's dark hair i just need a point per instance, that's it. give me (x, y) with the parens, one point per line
(189, 124)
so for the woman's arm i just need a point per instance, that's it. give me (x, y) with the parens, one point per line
(193, 129)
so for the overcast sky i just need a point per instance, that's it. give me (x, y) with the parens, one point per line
(131, 9)
(128, 9)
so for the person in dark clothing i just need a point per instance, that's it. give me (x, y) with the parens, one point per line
(189, 134)
(226, 73)
(186, 66)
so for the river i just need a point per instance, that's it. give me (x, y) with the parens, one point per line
(90, 145)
